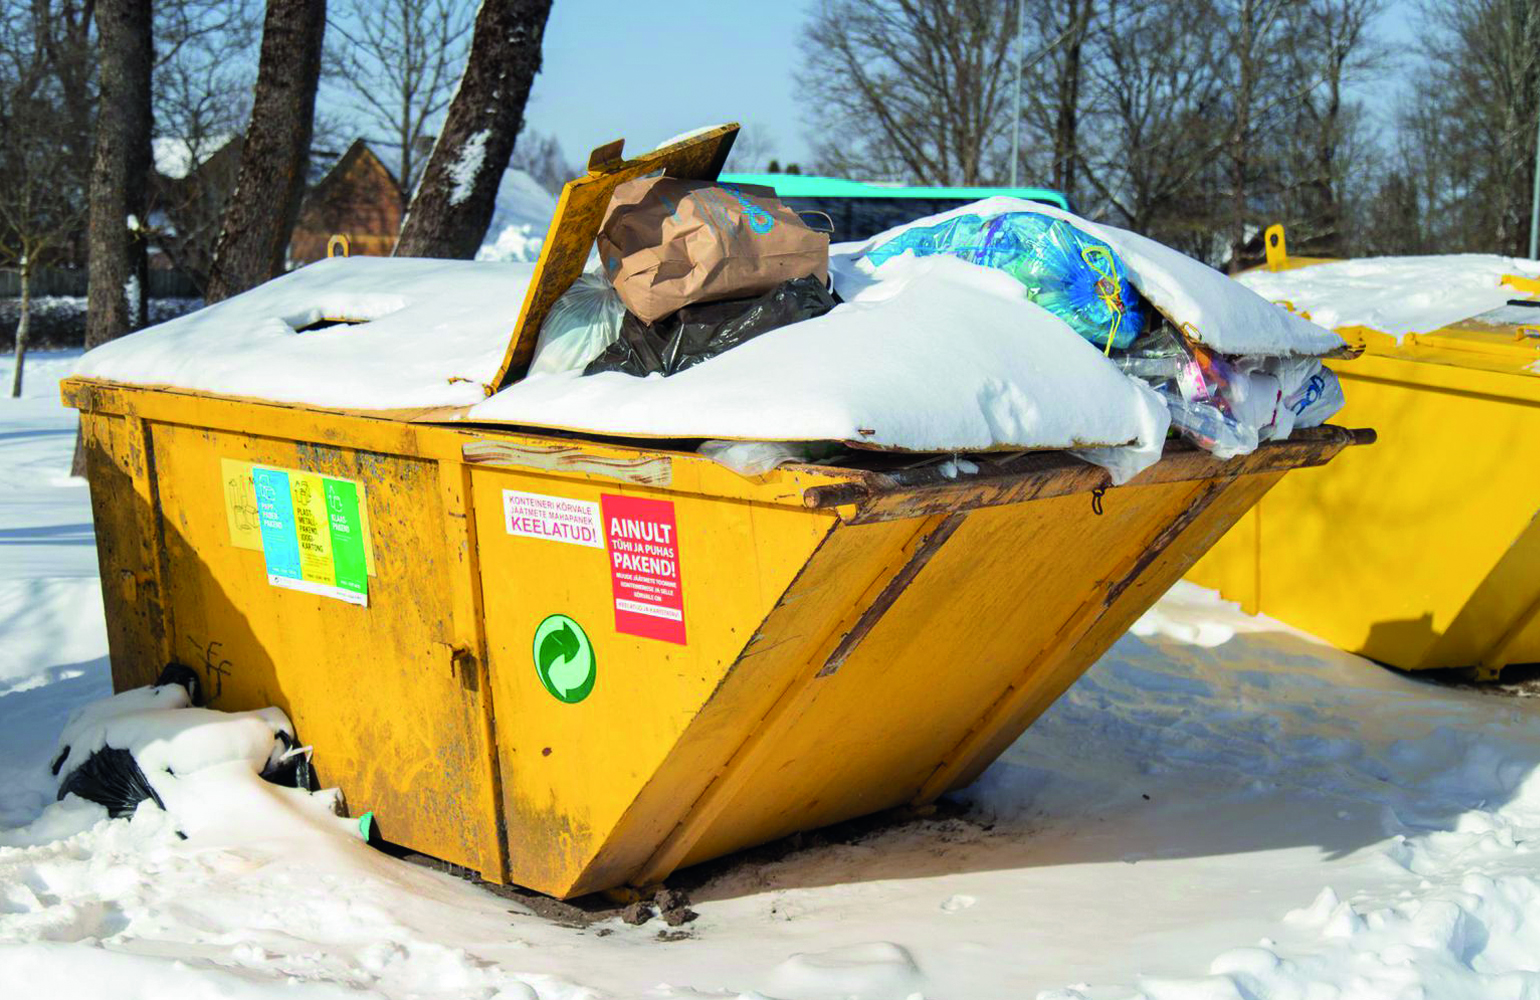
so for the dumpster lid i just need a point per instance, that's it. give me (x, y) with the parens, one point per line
(1474, 311)
(697, 155)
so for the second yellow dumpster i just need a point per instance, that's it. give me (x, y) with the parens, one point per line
(1421, 552)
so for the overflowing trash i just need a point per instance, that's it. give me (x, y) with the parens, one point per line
(582, 323)
(704, 330)
(1077, 278)
(1230, 405)
(659, 254)
(667, 243)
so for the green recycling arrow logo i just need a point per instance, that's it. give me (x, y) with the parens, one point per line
(564, 659)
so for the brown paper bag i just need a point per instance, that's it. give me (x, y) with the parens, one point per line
(666, 243)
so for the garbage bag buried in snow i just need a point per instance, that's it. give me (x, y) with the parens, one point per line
(1074, 276)
(699, 332)
(115, 752)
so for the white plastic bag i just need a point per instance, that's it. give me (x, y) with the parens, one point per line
(1317, 400)
(582, 323)
(755, 458)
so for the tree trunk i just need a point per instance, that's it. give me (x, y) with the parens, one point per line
(259, 218)
(1240, 137)
(455, 199)
(23, 322)
(1066, 132)
(117, 265)
(120, 169)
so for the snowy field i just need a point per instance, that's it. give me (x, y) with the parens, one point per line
(1222, 809)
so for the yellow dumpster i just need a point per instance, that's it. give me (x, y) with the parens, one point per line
(1424, 551)
(573, 663)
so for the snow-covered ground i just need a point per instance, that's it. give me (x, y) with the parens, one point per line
(520, 220)
(1222, 809)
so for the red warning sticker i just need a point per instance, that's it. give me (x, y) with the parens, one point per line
(644, 567)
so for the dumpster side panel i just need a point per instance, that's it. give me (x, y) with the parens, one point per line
(1002, 611)
(397, 717)
(573, 760)
(1397, 552)
(1502, 618)
(125, 509)
(706, 768)
(1215, 508)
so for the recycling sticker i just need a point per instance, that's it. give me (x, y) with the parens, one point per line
(564, 659)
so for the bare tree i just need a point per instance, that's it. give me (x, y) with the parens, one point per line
(397, 61)
(1329, 48)
(205, 66)
(453, 204)
(275, 151)
(61, 35)
(1255, 86)
(915, 90)
(1054, 84)
(120, 172)
(1154, 117)
(42, 196)
(540, 156)
(1484, 75)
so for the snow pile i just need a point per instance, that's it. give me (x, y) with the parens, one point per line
(199, 763)
(417, 333)
(1395, 295)
(520, 220)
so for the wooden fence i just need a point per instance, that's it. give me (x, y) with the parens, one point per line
(72, 281)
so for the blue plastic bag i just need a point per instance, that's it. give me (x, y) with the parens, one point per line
(1077, 278)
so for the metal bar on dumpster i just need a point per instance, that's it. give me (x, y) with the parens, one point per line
(1038, 475)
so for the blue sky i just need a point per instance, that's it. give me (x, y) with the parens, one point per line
(649, 70)
(652, 69)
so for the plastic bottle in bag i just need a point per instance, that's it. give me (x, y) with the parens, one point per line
(1211, 429)
(1077, 278)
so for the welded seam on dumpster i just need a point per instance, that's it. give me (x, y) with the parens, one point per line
(923, 553)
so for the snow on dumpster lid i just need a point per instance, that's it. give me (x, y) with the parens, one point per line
(418, 333)
(1395, 295)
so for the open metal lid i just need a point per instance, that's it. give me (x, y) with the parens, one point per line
(580, 213)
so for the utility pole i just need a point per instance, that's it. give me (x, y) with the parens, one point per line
(1016, 118)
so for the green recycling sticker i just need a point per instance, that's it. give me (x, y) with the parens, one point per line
(564, 659)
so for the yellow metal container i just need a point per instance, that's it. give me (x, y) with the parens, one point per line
(1424, 551)
(773, 654)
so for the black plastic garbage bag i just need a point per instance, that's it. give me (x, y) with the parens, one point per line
(111, 776)
(698, 332)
